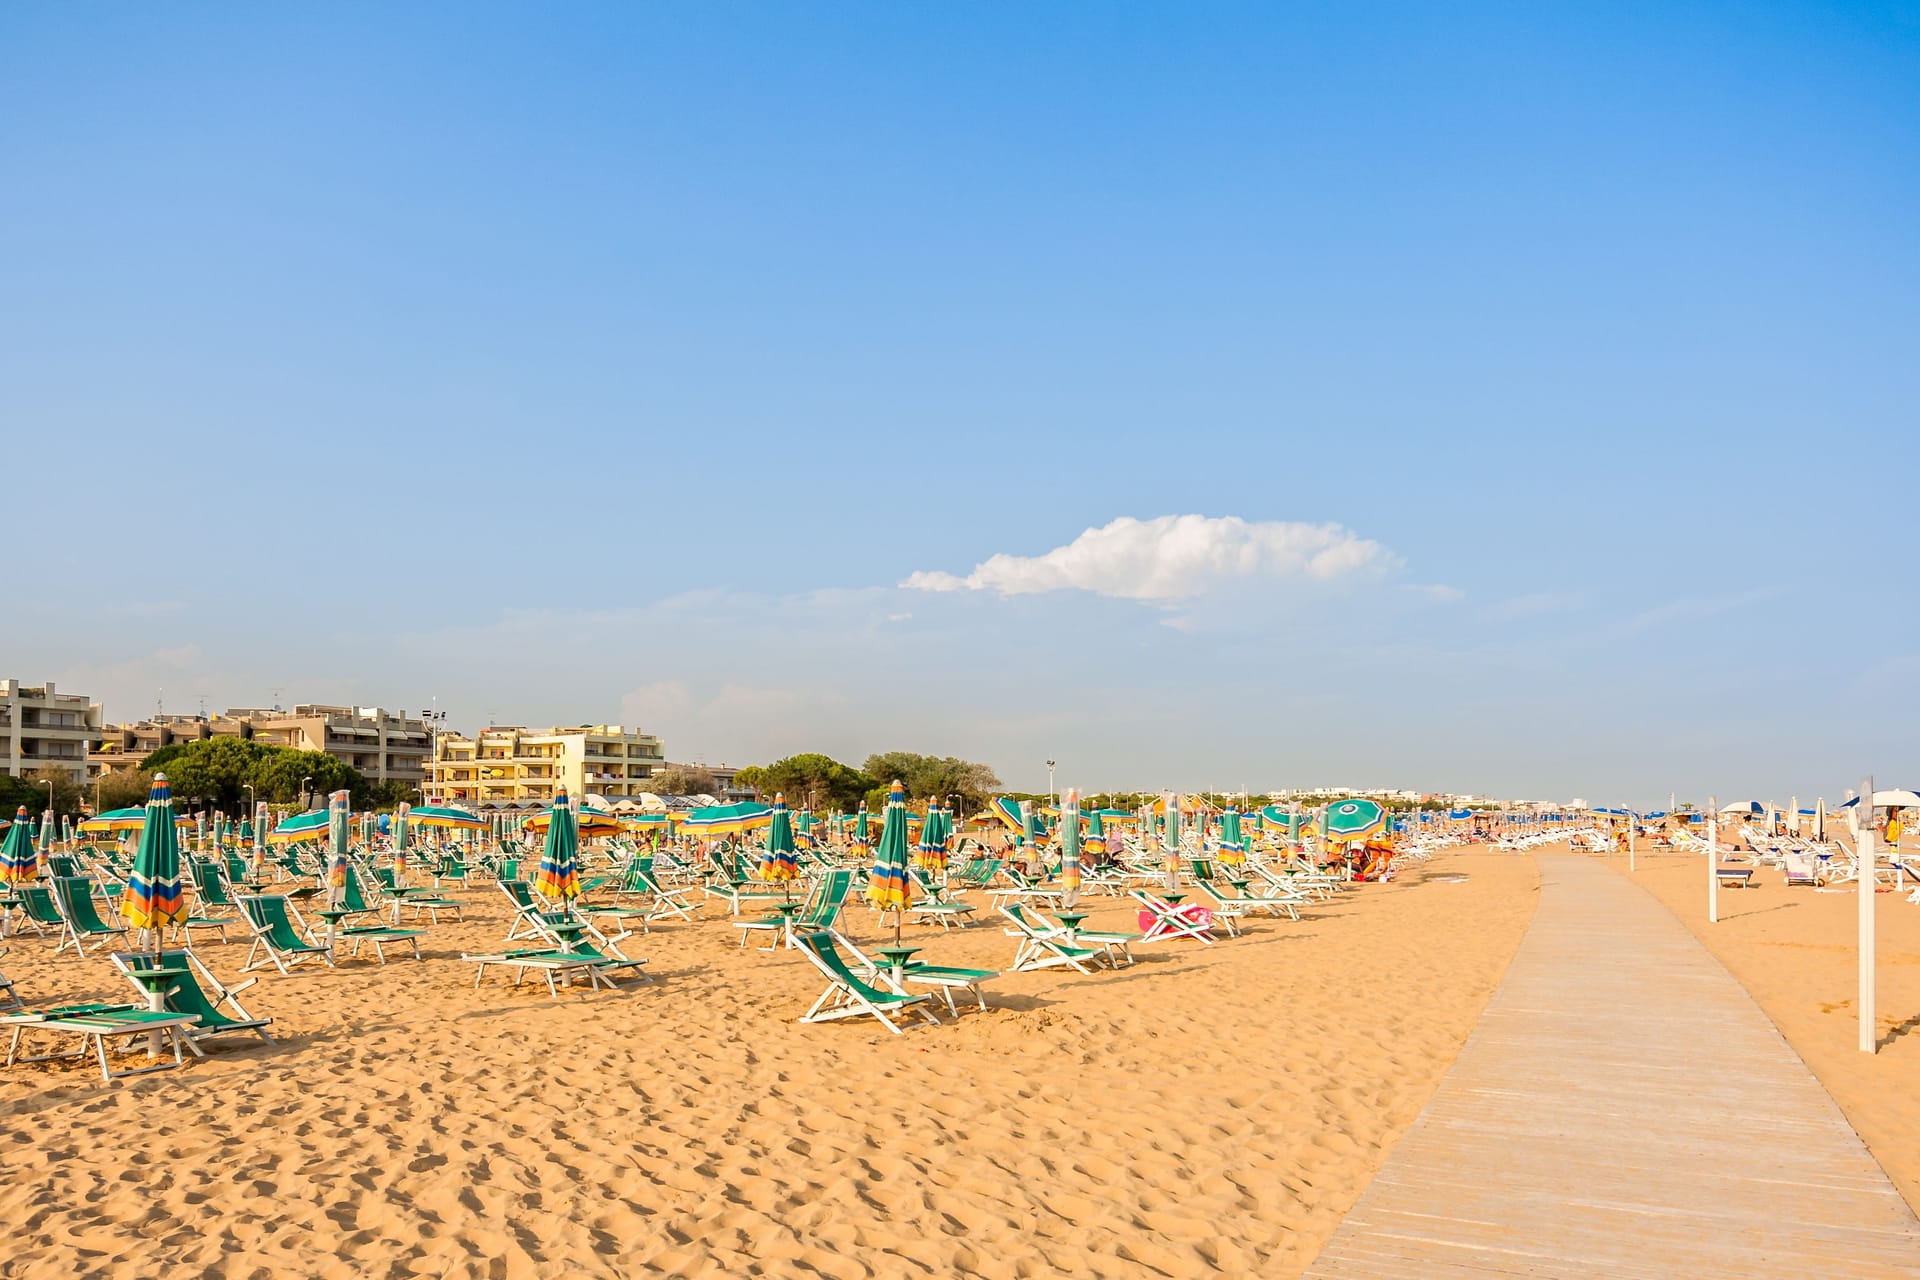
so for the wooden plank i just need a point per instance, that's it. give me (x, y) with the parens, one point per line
(1623, 1109)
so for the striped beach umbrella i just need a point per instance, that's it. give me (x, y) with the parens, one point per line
(888, 887)
(19, 863)
(402, 834)
(717, 820)
(1096, 842)
(46, 833)
(803, 822)
(339, 836)
(262, 824)
(448, 817)
(559, 876)
(1233, 846)
(1069, 848)
(1173, 841)
(931, 853)
(778, 862)
(1355, 819)
(311, 825)
(1032, 827)
(862, 831)
(1008, 811)
(154, 898)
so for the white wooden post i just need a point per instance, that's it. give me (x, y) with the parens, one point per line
(1864, 843)
(1713, 860)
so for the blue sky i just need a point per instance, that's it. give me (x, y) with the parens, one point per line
(625, 362)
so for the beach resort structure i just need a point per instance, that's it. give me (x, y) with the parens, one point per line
(384, 746)
(506, 766)
(41, 728)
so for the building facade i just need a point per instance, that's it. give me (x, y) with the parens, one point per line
(385, 746)
(41, 728)
(510, 765)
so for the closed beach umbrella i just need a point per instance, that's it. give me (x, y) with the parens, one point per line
(18, 861)
(558, 876)
(1233, 847)
(1173, 842)
(339, 834)
(261, 825)
(778, 862)
(932, 850)
(1097, 834)
(888, 888)
(154, 898)
(1070, 848)
(1032, 828)
(862, 830)
(402, 835)
(46, 833)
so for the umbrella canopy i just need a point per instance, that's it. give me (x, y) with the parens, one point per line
(803, 822)
(587, 824)
(125, 820)
(559, 876)
(154, 897)
(779, 864)
(18, 861)
(1886, 798)
(311, 825)
(1008, 811)
(862, 830)
(1097, 833)
(932, 850)
(1288, 824)
(1070, 848)
(888, 888)
(1355, 819)
(451, 817)
(1743, 806)
(727, 819)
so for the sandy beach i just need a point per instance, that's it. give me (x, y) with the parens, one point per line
(1794, 951)
(1210, 1109)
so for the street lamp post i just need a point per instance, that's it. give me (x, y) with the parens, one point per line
(306, 793)
(1050, 796)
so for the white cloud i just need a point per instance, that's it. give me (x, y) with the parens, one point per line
(1172, 558)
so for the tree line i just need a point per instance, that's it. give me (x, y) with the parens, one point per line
(820, 782)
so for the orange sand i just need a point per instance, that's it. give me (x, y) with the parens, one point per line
(1211, 1109)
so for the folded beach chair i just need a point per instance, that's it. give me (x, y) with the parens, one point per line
(73, 895)
(1167, 920)
(1044, 946)
(930, 902)
(849, 996)
(277, 931)
(189, 993)
(821, 911)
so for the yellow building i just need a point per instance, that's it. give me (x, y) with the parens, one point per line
(510, 765)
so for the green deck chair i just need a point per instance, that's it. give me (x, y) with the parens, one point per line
(189, 993)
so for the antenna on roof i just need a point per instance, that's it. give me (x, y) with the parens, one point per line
(159, 704)
(277, 691)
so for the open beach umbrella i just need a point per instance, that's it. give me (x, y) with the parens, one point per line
(718, 820)
(559, 876)
(311, 825)
(447, 816)
(1070, 848)
(1008, 811)
(154, 898)
(132, 819)
(18, 861)
(1355, 819)
(1886, 798)
(588, 824)
(778, 863)
(888, 887)
(931, 853)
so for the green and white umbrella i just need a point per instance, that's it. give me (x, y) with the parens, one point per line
(1070, 849)
(559, 875)
(1356, 819)
(154, 896)
(888, 886)
(1173, 841)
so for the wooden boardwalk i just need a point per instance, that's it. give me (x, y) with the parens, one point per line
(1623, 1109)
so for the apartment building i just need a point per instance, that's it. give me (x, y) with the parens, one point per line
(43, 728)
(511, 765)
(385, 746)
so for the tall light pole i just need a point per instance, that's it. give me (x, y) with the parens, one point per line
(49, 795)
(1050, 799)
(306, 793)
